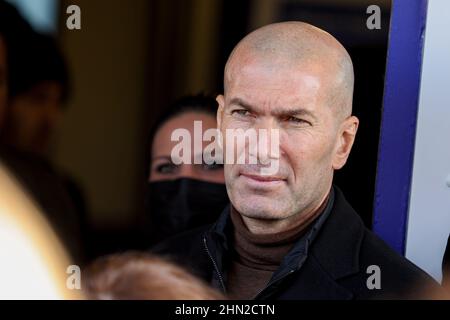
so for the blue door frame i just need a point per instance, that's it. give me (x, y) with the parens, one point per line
(398, 122)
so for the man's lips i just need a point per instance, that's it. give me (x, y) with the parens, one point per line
(261, 178)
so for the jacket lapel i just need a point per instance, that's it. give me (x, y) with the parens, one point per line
(338, 243)
(312, 283)
(333, 255)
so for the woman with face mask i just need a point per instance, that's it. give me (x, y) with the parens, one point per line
(183, 196)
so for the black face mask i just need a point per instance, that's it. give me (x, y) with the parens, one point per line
(179, 205)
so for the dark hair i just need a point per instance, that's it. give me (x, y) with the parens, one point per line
(40, 60)
(198, 103)
(201, 103)
(31, 57)
(15, 32)
(12, 25)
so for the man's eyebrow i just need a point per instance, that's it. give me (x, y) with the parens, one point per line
(243, 104)
(294, 112)
(279, 113)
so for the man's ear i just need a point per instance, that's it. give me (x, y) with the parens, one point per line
(345, 141)
(221, 101)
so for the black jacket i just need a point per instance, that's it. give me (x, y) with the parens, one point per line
(335, 266)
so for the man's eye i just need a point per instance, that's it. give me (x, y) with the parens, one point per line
(296, 120)
(241, 112)
(213, 166)
(166, 168)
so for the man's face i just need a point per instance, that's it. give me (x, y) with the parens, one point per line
(3, 80)
(33, 117)
(261, 95)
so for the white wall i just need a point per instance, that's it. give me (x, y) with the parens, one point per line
(429, 213)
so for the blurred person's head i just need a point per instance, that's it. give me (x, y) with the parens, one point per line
(297, 79)
(187, 195)
(38, 89)
(140, 276)
(14, 31)
(3, 79)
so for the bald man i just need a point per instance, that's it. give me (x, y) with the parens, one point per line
(291, 234)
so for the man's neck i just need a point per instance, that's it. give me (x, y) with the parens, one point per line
(298, 222)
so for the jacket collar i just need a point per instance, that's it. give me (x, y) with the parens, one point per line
(338, 243)
(335, 248)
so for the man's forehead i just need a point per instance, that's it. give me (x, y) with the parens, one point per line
(277, 70)
(278, 83)
(270, 71)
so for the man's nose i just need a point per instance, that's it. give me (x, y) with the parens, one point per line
(267, 143)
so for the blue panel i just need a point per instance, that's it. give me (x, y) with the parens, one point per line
(398, 123)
